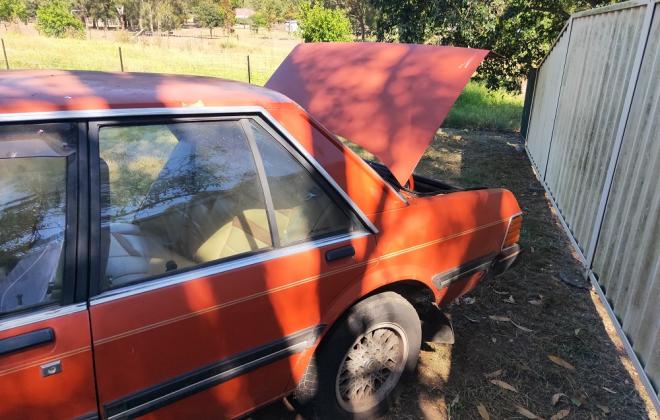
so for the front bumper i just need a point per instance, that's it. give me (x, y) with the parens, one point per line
(508, 258)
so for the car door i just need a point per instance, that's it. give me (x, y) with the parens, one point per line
(46, 368)
(219, 247)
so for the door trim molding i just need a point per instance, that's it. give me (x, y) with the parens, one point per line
(168, 392)
(21, 319)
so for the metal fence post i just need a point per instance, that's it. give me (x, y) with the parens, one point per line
(529, 100)
(248, 70)
(4, 52)
(121, 60)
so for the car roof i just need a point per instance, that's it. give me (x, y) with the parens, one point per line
(62, 90)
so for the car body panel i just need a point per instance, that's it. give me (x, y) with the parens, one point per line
(388, 98)
(257, 319)
(26, 393)
(217, 317)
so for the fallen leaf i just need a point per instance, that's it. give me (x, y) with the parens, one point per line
(483, 412)
(556, 397)
(469, 300)
(561, 362)
(520, 327)
(510, 299)
(526, 413)
(495, 374)
(535, 302)
(454, 401)
(604, 409)
(503, 384)
(576, 402)
(577, 331)
(499, 318)
(500, 293)
(494, 339)
(561, 414)
(611, 391)
(470, 319)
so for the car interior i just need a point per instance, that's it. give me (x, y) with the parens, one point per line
(202, 208)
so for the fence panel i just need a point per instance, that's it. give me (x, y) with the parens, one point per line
(544, 106)
(599, 158)
(626, 261)
(598, 67)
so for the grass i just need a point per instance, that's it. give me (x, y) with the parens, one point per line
(484, 109)
(226, 57)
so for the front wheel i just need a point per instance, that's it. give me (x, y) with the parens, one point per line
(362, 360)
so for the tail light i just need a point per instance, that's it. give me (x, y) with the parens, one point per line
(513, 233)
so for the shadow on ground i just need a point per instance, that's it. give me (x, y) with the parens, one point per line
(508, 329)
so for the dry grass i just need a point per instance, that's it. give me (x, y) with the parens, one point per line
(191, 52)
(225, 56)
(566, 322)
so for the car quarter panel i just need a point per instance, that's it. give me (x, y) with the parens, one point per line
(431, 236)
(365, 187)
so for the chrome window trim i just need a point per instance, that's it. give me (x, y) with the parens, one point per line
(220, 267)
(45, 314)
(300, 149)
(192, 112)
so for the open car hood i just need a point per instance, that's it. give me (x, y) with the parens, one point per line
(389, 99)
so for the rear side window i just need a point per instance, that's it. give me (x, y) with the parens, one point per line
(174, 196)
(303, 210)
(34, 163)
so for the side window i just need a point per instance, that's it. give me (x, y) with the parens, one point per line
(303, 210)
(175, 196)
(34, 162)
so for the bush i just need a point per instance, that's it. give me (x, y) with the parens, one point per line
(55, 19)
(11, 10)
(318, 24)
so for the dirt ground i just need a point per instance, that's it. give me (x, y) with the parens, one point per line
(528, 344)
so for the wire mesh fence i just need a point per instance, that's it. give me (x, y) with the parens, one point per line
(243, 56)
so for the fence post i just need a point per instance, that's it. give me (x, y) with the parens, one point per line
(4, 52)
(121, 60)
(248, 69)
(529, 99)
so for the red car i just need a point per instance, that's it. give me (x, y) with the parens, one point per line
(179, 247)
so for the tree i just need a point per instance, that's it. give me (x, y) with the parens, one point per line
(319, 24)
(55, 19)
(360, 13)
(519, 32)
(12, 10)
(259, 21)
(210, 15)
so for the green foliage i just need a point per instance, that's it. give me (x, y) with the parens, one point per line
(259, 20)
(269, 12)
(210, 15)
(481, 108)
(519, 32)
(360, 12)
(319, 24)
(12, 10)
(55, 19)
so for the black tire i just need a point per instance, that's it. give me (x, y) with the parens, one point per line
(385, 320)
